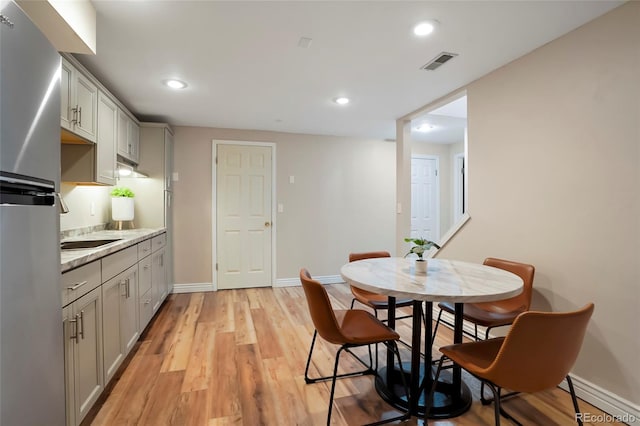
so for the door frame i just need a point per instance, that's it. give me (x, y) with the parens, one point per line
(437, 185)
(214, 205)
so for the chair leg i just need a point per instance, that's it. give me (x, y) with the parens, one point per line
(475, 327)
(429, 401)
(574, 399)
(333, 384)
(309, 380)
(404, 416)
(496, 401)
(486, 333)
(306, 370)
(352, 302)
(435, 329)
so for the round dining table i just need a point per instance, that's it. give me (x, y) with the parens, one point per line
(445, 280)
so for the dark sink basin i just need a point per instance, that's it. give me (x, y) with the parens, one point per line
(85, 244)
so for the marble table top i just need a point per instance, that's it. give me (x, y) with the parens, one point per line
(445, 280)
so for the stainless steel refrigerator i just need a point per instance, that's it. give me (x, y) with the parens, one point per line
(31, 339)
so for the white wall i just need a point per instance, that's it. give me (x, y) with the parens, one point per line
(79, 199)
(342, 200)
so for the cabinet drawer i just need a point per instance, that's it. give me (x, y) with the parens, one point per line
(115, 263)
(80, 281)
(144, 275)
(158, 242)
(144, 249)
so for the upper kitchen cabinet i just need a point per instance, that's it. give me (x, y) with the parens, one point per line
(156, 160)
(79, 102)
(128, 137)
(107, 132)
(90, 148)
(89, 163)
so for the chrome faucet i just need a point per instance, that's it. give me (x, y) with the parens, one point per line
(62, 205)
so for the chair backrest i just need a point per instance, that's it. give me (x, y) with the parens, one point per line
(521, 302)
(358, 292)
(322, 315)
(368, 255)
(539, 349)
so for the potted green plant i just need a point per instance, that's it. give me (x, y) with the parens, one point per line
(420, 246)
(122, 204)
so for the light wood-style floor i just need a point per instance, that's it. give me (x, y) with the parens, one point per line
(237, 357)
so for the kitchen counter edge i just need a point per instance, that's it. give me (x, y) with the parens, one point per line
(71, 259)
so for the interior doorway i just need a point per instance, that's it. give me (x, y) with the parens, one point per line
(425, 198)
(244, 233)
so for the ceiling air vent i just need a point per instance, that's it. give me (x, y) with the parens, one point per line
(439, 60)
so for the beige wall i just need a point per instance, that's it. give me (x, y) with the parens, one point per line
(554, 155)
(342, 200)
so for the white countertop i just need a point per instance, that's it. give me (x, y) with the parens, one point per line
(70, 259)
(445, 280)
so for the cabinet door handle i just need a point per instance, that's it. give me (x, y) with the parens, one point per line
(80, 116)
(81, 317)
(128, 288)
(74, 334)
(76, 286)
(146, 267)
(74, 111)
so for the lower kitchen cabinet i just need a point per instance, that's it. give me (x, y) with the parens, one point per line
(158, 278)
(106, 305)
(120, 318)
(82, 321)
(145, 290)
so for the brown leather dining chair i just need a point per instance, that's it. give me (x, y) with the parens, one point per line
(501, 312)
(356, 328)
(374, 300)
(537, 354)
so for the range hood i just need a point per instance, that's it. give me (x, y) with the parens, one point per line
(127, 169)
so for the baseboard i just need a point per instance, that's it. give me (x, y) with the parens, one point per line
(282, 282)
(618, 408)
(291, 282)
(192, 287)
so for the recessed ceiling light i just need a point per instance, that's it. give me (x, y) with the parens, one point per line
(425, 28)
(341, 100)
(425, 127)
(175, 84)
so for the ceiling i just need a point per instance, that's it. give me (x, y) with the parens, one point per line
(245, 68)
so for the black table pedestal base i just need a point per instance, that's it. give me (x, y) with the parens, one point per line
(446, 403)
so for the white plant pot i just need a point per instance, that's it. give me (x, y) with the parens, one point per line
(121, 208)
(421, 266)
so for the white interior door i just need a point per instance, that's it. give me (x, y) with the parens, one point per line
(425, 199)
(243, 212)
